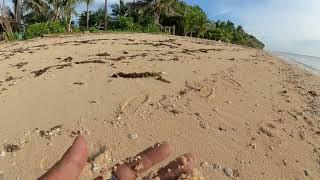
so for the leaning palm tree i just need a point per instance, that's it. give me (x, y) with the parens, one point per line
(88, 3)
(6, 16)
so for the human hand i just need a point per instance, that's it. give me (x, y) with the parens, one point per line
(73, 161)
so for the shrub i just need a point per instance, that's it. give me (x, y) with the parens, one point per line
(36, 30)
(39, 29)
(13, 36)
(57, 27)
(126, 24)
(152, 28)
(93, 29)
(76, 30)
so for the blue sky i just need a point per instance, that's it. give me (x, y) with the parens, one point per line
(283, 25)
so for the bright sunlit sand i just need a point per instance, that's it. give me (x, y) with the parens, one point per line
(243, 112)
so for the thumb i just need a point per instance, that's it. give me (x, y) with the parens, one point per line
(71, 164)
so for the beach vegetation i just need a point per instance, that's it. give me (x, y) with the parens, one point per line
(41, 17)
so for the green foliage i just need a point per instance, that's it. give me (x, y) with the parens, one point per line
(46, 16)
(36, 30)
(57, 27)
(39, 29)
(120, 9)
(152, 28)
(76, 30)
(227, 32)
(93, 29)
(96, 19)
(13, 36)
(195, 20)
(126, 24)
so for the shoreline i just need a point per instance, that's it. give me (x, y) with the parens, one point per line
(242, 108)
(300, 64)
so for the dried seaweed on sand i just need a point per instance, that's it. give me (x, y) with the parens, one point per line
(135, 75)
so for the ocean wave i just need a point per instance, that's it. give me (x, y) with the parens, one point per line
(310, 63)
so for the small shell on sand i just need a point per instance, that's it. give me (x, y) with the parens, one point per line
(228, 172)
(204, 125)
(2, 154)
(133, 136)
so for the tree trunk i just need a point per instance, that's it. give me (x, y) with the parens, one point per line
(105, 15)
(55, 11)
(69, 24)
(18, 13)
(3, 9)
(156, 18)
(88, 14)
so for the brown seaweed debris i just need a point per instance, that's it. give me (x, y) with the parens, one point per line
(92, 61)
(10, 78)
(313, 93)
(78, 83)
(63, 66)
(41, 45)
(67, 59)
(120, 58)
(135, 75)
(20, 50)
(11, 147)
(42, 71)
(137, 55)
(103, 54)
(190, 51)
(20, 64)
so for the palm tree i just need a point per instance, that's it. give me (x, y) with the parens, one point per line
(88, 3)
(120, 9)
(5, 19)
(156, 7)
(17, 11)
(46, 9)
(69, 9)
(105, 15)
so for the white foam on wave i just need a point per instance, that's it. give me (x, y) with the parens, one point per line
(310, 63)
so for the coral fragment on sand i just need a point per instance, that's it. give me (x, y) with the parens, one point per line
(54, 131)
(11, 147)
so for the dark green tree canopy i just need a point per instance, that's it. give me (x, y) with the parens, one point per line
(140, 15)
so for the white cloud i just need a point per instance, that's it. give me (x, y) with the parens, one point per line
(285, 19)
(282, 24)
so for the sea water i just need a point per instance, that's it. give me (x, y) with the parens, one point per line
(310, 63)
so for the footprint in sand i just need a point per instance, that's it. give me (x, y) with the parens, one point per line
(133, 103)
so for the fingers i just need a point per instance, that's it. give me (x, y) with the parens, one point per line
(143, 161)
(71, 164)
(182, 165)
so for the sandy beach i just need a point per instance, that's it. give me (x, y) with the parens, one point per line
(237, 109)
